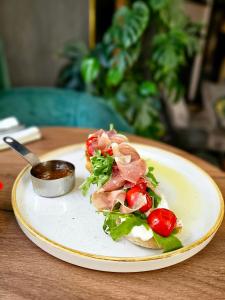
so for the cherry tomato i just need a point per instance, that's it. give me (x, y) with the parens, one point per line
(162, 221)
(132, 195)
(1, 185)
(109, 151)
(90, 143)
(142, 184)
(148, 204)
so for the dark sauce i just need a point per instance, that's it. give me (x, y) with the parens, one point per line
(51, 170)
(56, 174)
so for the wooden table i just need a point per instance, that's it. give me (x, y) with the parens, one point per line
(26, 272)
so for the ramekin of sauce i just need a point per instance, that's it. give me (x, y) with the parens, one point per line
(53, 178)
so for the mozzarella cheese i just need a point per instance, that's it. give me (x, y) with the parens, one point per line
(142, 232)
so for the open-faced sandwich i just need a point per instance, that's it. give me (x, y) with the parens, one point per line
(127, 194)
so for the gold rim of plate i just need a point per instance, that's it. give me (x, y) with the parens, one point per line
(40, 236)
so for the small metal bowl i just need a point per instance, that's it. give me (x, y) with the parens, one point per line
(53, 178)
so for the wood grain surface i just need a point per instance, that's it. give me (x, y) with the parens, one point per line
(27, 272)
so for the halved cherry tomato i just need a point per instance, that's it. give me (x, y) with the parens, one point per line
(132, 196)
(148, 204)
(162, 221)
(90, 143)
(142, 184)
(109, 151)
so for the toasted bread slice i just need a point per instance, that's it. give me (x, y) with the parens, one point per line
(151, 243)
(88, 163)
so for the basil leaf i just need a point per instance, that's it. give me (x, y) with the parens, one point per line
(101, 171)
(169, 243)
(117, 228)
(151, 177)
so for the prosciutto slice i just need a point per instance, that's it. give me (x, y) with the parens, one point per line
(118, 138)
(129, 163)
(107, 200)
(115, 182)
(106, 138)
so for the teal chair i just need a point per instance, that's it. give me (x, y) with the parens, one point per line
(55, 107)
(58, 107)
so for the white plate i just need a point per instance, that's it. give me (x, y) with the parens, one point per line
(69, 228)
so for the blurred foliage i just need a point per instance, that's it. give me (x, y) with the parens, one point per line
(140, 56)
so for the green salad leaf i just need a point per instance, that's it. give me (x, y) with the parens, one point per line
(118, 225)
(156, 198)
(151, 177)
(169, 243)
(101, 171)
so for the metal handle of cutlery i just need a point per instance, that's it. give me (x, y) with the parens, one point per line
(22, 150)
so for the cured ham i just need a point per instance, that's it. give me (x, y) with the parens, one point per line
(115, 182)
(107, 200)
(103, 139)
(129, 163)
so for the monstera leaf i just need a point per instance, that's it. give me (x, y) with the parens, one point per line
(128, 25)
(125, 58)
(158, 4)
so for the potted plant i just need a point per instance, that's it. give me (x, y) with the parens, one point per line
(140, 56)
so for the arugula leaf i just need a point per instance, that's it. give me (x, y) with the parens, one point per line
(85, 186)
(101, 171)
(169, 243)
(151, 177)
(139, 214)
(156, 198)
(117, 228)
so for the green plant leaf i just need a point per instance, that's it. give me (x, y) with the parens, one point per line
(128, 25)
(158, 4)
(73, 50)
(147, 88)
(169, 243)
(90, 68)
(114, 76)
